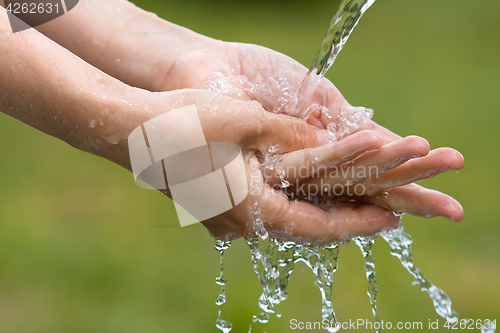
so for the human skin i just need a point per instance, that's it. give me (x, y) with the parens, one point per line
(33, 101)
(157, 55)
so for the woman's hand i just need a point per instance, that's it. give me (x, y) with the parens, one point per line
(96, 113)
(144, 51)
(349, 207)
(247, 124)
(247, 66)
(383, 176)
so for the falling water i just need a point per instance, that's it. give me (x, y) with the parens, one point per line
(341, 26)
(223, 325)
(400, 242)
(365, 244)
(274, 264)
(347, 119)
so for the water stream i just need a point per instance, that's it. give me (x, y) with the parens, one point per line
(223, 325)
(341, 26)
(365, 244)
(274, 264)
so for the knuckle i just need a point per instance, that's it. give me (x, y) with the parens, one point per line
(299, 133)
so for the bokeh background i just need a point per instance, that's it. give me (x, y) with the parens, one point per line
(82, 249)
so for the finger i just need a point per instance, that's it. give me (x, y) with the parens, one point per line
(288, 132)
(322, 135)
(254, 128)
(386, 134)
(373, 163)
(437, 161)
(315, 119)
(300, 219)
(419, 201)
(302, 164)
(330, 97)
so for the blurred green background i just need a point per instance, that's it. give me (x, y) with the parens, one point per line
(82, 249)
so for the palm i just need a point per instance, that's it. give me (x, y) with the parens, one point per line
(253, 64)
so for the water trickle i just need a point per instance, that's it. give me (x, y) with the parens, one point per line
(323, 261)
(365, 245)
(258, 224)
(400, 242)
(224, 325)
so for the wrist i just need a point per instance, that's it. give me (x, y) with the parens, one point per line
(110, 114)
(124, 41)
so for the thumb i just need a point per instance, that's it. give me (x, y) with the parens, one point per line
(248, 124)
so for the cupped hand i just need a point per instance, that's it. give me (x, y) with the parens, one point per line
(169, 57)
(252, 72)
(247, 124)
(383, 176)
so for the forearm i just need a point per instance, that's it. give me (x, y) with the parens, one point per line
(52, 90)
(123, 40)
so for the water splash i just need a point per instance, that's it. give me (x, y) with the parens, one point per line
(274, 266)
(272, 88)
(270, 166)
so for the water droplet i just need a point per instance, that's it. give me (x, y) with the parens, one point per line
(113, 139)
(263, 318)
(223, 325)
(221, 281)
(221, 299)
